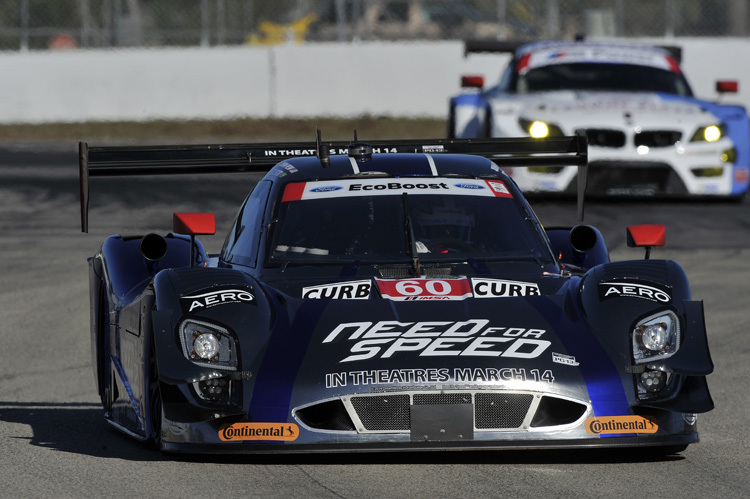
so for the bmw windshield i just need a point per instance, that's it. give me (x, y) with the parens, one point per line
(387, 220)
(602, 77)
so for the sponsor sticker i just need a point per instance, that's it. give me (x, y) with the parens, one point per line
(438, 376)
(632, 288)
(620, 424)
(567, 360)
(206, 299)
(424, 289)
(352, 290)
(300, 191)
(286, 432)
(499, 288)
(471, 338)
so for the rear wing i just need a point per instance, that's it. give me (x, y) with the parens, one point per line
(510, 47)
(261, 157)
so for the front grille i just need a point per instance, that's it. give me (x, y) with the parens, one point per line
(384, 412)
(632, 178)
(391, 412)
(604, 138)
(657, 138)
(501, 410)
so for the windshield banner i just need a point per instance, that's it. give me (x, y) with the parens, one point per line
(326, 189)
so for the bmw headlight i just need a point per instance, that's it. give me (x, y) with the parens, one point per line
(208, 345)
(540, 129)
(710, 133)
(656, 337)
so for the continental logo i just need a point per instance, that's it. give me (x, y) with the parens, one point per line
(620, 424)
(286, 432)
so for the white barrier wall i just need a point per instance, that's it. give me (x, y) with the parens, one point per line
(380, 79)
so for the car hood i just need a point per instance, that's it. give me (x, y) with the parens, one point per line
(326, 349)
(587, 108)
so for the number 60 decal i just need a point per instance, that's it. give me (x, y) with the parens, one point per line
(424, 289)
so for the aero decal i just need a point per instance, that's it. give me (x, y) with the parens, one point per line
(286, 432)
(353, 290)
(424, 289)
(632, 288)
(216, 297)
(620, 425)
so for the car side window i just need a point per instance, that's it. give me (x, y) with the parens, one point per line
(241, 245)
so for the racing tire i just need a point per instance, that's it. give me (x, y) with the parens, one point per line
(155, 400)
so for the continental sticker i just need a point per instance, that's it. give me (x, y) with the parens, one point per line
(285, 432)
(620, 424)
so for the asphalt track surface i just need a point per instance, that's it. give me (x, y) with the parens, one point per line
(55, 442)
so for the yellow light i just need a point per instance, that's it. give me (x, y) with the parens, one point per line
(538, 130)
(712, 133)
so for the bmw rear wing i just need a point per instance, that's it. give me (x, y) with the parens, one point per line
(261, 157)
(510, 47)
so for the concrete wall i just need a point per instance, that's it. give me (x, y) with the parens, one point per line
(396, 79)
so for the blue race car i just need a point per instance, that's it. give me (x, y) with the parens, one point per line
(393, 295)
(648, 135)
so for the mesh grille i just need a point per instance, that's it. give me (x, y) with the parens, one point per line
(492, 410)
(501, 410)
(441, 398)
(383, 413)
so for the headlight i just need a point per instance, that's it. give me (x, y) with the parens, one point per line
(540, 129)
(208, 345)
(710, 133)
(656, 337)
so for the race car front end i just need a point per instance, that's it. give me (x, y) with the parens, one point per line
(478, 368)
(638, 145)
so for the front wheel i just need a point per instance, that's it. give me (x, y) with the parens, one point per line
(155, 402)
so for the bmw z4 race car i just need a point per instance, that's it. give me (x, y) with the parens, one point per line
(648, 135)
(392, 295)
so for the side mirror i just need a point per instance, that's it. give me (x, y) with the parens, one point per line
(193, 224)
(472, 81)
(727, 86)
(647, 236)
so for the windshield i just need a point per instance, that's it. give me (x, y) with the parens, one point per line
(371, 220)
(600, 76)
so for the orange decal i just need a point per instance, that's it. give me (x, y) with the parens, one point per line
(621, 424)
(259, 431)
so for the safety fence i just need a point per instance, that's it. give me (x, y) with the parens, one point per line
(64, 24)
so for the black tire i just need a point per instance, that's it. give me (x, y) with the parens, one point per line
(155, 401)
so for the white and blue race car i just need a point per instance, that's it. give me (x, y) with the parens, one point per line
(647, 133)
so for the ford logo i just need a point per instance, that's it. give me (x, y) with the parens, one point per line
(327, 188)
(469, 186)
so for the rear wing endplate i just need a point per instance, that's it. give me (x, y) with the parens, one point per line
(261, 157)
